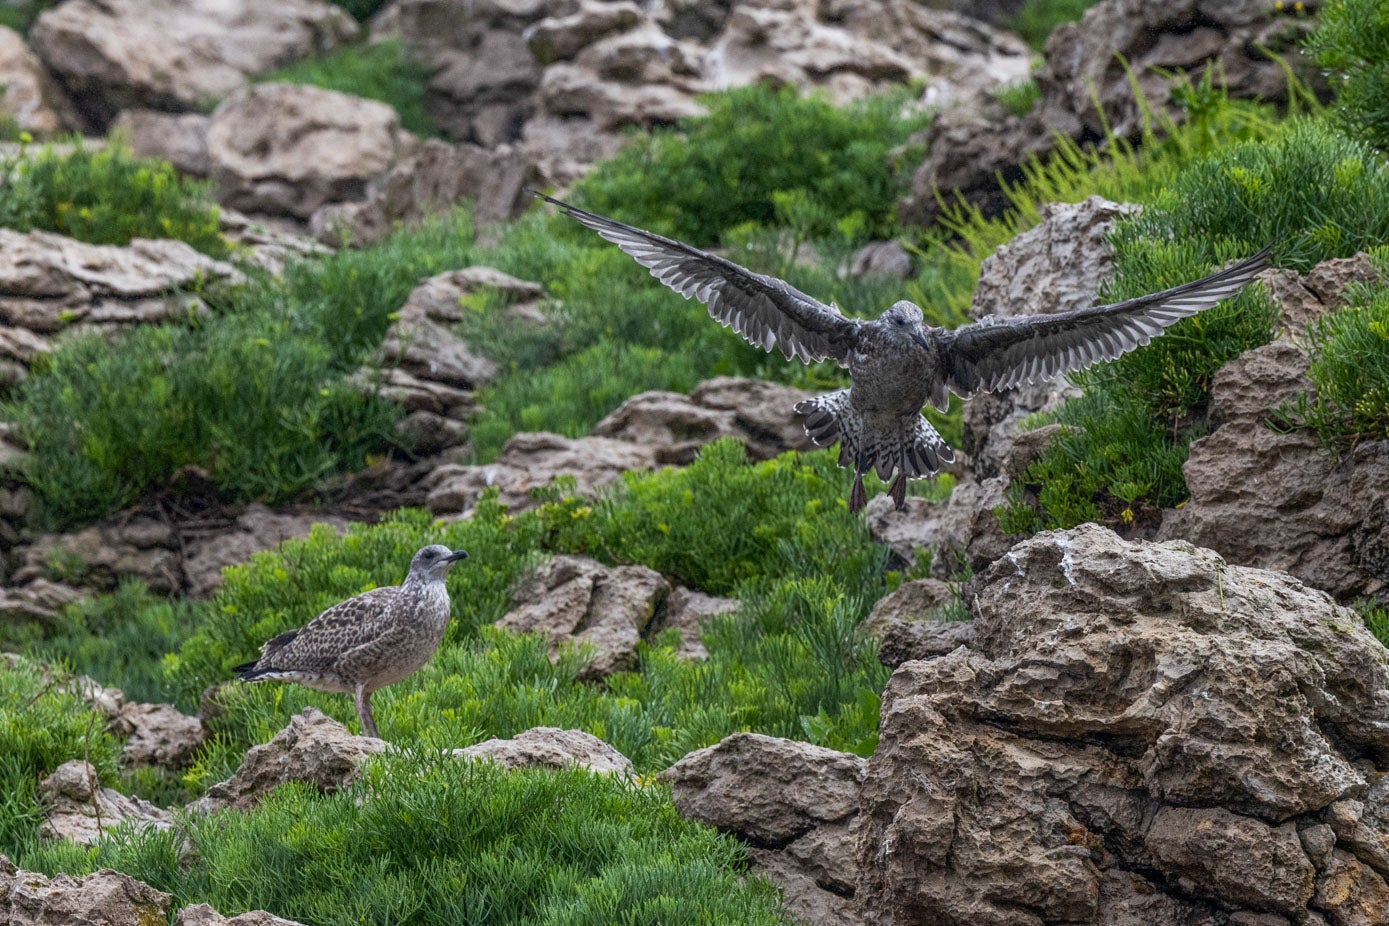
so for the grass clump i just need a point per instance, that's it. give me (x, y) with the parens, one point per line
(428, 839)
(383, 71)
(1037, 19)
(724, 169)
(1019, 98)
(1350, 373)
(1352, 42)
(43, 724)
(107, 196)
(1315, 194)
(20, 15)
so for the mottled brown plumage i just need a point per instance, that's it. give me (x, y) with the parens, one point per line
(897, 363)
(368, 642)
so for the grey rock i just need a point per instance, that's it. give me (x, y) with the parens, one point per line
(685, 611)
(312, 748)
(289, 149)
(265, 246)
(203, 915)
(576, 601)
(80, 810)
(102, 898)
(531, 461)
(179, 138)
(39, 601)
(177, 55)
(32, 98)
(158, 734)
(551, 747)
(256, 529)
(1126, 708)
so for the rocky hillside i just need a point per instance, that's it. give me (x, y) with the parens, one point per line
(278, 310)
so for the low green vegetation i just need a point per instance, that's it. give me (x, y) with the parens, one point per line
(383, 71)
(360, 9)
(428, 839)
(727, 169)
(1350, 372)
(107, 196)
(1037, 19)
(1352, 43)
(20, 14)
(1019, 98)
(1315, 195)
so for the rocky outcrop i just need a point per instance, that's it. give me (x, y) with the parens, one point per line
(675, 426)
(289, 149)
(1139, 732)
(578, 602)
(208, 551)
(179, 138)
(1094, 61)
(80, 810)
(795, 805)
(551, 747)
(1303, 298)
(203, 915)
(531, 461)
(910, 623)
(31, 98)
(50, 284)
(102, 898)
(177, 55)
(312, 748)
(158, 734)
(1278, 499)
(685, 611)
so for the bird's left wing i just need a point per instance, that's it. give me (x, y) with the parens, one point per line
(766, 311)
(1000, 354)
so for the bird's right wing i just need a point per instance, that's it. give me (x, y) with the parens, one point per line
(1002, 353)
(766, 311)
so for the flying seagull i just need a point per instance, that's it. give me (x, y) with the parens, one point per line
(897, 363)
(368, 642)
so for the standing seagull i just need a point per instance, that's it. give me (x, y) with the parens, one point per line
(368, 642)
(896, 363)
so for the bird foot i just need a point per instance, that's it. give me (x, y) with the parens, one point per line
(858, 496)
(898, 491)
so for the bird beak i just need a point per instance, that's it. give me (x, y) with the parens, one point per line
(455, 556)
(919, 337)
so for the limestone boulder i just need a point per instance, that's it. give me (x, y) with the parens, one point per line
(269, 247)
(203, 915)
(675, 426)
(312, 748)
(50, 283)
(158, 734)
(289, 149)
(960, 534)
(551, 747)
(32, 98)
(1277, 499)
(794, 803)
(578, 602)
(99, 557)
(909, 623)
(1140, 732)
(38, 602)
(80, 810)
(1303, 298)
(258, 528)
(534, 460)
(179, 138)
(685, 611)
(177, 55)
(102, 898)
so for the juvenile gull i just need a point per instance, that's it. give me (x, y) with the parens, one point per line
(367, 642)
(897, 363)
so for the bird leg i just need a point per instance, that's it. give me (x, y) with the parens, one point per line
(898, 491)
(858, 497)
(363, 701)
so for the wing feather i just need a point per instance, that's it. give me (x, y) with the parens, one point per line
(999, 353)
(766, 311)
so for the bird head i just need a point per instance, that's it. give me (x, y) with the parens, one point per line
(904, 323)
(434, 561)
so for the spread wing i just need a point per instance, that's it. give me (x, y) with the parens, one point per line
(997, 353)
(766, 311)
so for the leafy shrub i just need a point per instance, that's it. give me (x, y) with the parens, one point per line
(1350, 370)
(383, 71)
(723, 170)
(107, 196)
(1037, 19)
(1314, 193)
(1352, 41)
(42, 725)
(430, 839)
